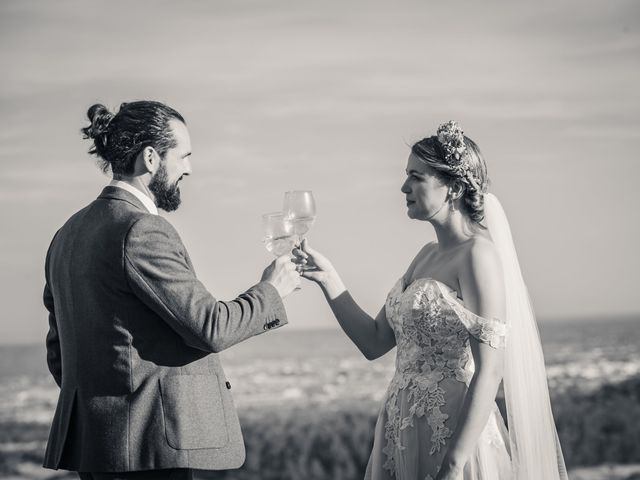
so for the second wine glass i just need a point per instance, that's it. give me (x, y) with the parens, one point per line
(300, 209)
(279, 237)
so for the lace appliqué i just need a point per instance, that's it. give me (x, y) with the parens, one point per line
(491, 331)
(432, 335)
(432, 345)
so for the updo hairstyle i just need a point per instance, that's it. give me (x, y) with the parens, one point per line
(474, 178)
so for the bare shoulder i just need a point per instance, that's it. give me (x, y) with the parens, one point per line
(481, 258)
(482, 280)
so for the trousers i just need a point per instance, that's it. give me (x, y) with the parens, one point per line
(168, 474)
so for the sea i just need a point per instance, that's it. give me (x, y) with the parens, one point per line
(300, 367)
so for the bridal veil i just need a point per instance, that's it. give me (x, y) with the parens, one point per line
(534, 445)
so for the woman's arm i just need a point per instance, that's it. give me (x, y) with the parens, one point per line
(374, 338)
(482, 288)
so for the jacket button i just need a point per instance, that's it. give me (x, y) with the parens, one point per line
(228, 385)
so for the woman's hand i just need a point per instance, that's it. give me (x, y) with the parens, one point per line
(314, 266)
(449, 472)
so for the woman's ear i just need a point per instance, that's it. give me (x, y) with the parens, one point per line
(456, 190)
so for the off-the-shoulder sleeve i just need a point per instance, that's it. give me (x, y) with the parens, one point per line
(491, 331)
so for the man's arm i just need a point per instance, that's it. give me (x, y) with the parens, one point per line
(158, 272)
(54, 359)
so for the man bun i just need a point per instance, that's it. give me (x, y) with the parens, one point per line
(100, 117)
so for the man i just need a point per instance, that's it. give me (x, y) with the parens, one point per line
(133, 335)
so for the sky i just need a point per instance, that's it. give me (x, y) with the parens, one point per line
(328, 96)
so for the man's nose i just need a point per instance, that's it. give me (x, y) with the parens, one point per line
(404, 188)
(187, 168)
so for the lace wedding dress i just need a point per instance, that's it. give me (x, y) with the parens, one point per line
(434, 366)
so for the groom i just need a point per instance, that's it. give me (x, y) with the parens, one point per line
(133, 335)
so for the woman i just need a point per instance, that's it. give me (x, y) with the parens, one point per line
(461, 319)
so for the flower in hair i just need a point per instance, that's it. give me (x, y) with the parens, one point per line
(451, 137)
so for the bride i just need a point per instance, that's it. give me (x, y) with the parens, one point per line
(462, 321)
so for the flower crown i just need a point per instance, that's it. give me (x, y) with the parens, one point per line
(451, 137)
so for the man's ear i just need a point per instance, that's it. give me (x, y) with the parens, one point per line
(151, 159)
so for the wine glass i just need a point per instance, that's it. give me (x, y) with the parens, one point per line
(300, 209)
(279, 235)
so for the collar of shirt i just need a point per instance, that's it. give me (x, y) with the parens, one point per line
(144, 198)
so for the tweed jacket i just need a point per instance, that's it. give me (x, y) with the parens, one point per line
(133, 342)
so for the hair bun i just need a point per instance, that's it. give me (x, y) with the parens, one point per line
(100, 117)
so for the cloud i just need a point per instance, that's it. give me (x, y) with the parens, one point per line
(325, 95)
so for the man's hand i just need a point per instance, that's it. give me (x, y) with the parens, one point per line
(282, 275)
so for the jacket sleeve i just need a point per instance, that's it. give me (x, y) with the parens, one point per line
(159, 273)
(54, 359)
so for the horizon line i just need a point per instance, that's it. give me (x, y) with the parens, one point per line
(315, 328)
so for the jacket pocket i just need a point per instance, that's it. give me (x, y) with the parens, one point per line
(193, 412)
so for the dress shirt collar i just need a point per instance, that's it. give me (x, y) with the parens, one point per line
(144, 198)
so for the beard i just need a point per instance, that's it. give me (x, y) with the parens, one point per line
(167, 196)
